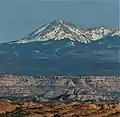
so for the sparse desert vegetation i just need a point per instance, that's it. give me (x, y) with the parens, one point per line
(73, 109)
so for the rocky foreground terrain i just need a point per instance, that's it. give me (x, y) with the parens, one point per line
(73, 109)
(60, 88)
(60, 96)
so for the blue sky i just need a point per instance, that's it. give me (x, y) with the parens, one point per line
(20, 17)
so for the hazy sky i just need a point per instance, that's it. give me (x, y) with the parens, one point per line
(19, 17)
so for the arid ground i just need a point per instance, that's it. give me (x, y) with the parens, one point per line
(73, 109)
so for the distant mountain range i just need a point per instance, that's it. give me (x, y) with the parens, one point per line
(60, 48)
(59, 29)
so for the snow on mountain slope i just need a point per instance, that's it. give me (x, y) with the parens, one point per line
(98, 33)
(58, 30)
(117, 33)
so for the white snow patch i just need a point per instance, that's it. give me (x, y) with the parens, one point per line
(41, 29)
(117, 33)
(37, 51)
(58, 49)
(46, 43)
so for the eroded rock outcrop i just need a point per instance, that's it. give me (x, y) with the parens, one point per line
(73, 109)
(6, 106)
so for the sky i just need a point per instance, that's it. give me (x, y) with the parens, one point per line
(20, 17)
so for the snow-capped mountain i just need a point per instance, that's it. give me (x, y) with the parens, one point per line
(59, 48)
(59, 29)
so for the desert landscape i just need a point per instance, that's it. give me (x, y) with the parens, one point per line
(73, 109)
(59, 58)
(60, 88)
(59, 96)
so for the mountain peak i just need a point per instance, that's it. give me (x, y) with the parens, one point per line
(59, 29)
(62, 23)
(58, 21)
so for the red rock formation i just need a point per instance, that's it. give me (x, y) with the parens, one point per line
(6, 106)
(74, 109)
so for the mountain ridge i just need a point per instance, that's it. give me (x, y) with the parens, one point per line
(65, 57)
(59, 29)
